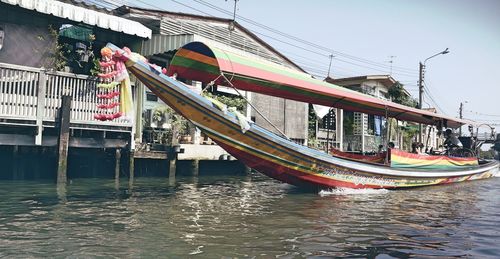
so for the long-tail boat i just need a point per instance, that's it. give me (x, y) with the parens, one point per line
(275, 155)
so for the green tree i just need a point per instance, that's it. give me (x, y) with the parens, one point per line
(311, 127)
(399, 95)
(179, 125)
(231, 101)
(54, 51)
(487, 154)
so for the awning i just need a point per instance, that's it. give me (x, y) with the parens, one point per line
(200, 62)
(76, 32)
(80, 14)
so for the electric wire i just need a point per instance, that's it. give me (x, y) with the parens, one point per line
(177, 2)
(311, 44)
(323, 55)
(112, 4)
(289, 36)
(483, 114)
(426, 91)
(305, 60)
(313, 69)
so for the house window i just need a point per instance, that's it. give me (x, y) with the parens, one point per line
(371, 124)
(151, 97)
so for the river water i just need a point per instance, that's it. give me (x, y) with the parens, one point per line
(248, 216)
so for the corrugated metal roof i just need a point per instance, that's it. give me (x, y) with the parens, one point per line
(163, 43)
(213, 28)
(219, 32)
(80, 14)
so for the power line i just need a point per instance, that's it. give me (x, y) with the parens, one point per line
(342, 60)
(433, 100)
(177, 2)
(330, 65)
(391, 61)
(300, 59)
(323, 72)
(309, 68)
(321, 54)
(108, 3)
(305, 42)
(285, 35)
(428, 89)
(484, 114)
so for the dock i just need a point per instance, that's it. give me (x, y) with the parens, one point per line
(49, 116)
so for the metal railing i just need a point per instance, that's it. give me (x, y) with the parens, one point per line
(28, 93)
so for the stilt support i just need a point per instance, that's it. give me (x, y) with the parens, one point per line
(195, 167)
(172, 167)
(131, 167)
(15, 163)
(118, 156)
(64, 121)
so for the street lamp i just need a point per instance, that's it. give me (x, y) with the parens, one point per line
(421, 86)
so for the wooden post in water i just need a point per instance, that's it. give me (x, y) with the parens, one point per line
(195, 167)
(63, 141)
(15, 163)
(172, 158)
(248, 170)
(40, 106)
(172, 166)
(174, 150)
(131, 167)
(118, 156)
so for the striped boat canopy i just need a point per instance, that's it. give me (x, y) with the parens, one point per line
(200, 62)
(402, 159)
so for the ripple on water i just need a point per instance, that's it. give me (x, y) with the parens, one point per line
(350, 191)
(248, 216)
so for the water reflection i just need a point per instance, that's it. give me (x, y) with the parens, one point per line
(61, 191)
(247, 216)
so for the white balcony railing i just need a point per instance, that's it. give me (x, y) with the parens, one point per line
(34, 94)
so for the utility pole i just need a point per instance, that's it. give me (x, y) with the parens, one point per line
(461, 116)
(234, 11)
(391, 61)
(421, 87)
(420, 95)
(231, 23)
(330, 66)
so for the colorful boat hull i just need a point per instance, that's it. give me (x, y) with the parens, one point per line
(282, 159)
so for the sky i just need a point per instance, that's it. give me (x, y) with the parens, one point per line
(365, 35)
